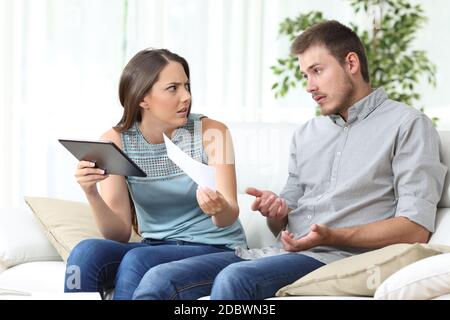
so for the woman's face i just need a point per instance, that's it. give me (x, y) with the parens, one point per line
(167, 103)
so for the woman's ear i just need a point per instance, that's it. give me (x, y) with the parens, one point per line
(145, 103)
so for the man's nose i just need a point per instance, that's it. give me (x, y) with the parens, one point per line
(311, 86)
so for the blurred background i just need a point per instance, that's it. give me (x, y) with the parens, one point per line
(60, 63)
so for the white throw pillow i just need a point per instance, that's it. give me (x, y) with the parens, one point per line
(422, 280)
(22, 239)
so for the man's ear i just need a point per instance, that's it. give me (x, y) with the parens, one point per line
(352, 63)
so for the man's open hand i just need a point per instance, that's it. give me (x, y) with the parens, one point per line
(319, 235)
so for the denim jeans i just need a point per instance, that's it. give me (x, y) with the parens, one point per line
(97, 265)
(224, 276)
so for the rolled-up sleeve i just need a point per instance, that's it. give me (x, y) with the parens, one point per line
(292, 191)
(418, 172)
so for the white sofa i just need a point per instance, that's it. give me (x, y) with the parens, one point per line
(261, 157)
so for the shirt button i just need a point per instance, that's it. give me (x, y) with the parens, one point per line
(338, 153)
(345, 128)
(309, 216)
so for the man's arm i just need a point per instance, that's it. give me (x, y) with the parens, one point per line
(380, 234)
(371, 236)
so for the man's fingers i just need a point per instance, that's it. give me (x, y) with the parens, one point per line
(273, 209)
(267, 203)
(282, 208)
(288, 241)
(253, 192)
(255, 204)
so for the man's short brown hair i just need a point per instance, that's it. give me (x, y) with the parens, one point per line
(340, 40)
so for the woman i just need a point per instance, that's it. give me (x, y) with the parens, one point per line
(176, 218)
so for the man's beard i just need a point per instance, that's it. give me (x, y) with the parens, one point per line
(345, 101)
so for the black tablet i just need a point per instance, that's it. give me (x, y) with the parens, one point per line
(105, 154)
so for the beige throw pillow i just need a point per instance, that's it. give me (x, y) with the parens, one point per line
(362, 274)
(66, 223)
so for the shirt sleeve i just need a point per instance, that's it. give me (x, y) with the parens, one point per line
(418, 172)
(292, 191)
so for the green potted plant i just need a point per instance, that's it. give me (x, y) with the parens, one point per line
(393, 62)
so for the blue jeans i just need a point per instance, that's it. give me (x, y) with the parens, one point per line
(98, 265)
(224, 276)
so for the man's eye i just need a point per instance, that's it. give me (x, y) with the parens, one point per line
(305, 76)
(318, 71)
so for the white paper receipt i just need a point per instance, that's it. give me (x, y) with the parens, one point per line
(203, 175)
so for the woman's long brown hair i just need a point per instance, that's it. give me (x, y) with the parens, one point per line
(138, 77)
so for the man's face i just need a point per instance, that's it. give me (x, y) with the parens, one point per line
(327, 80)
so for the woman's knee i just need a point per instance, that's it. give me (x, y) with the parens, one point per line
(85, 250)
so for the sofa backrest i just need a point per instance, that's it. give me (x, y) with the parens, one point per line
(445, 158)
(261, 154)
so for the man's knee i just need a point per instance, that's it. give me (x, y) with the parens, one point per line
(156, 284)
(234, 273)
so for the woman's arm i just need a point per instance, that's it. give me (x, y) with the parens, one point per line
(221, 205)
(111, 207)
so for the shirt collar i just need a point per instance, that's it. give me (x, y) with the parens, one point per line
(362, 108)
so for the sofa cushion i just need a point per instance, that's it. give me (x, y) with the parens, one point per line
(22, 239)
(362, 274)
(66, 223)
(422, 280)
(44, 276)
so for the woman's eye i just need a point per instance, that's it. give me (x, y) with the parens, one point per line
(318, 71)
(172, 88)
(188, 87)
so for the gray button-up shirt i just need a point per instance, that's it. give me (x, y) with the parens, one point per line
(382, 163)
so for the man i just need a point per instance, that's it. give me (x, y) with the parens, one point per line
(364, 175)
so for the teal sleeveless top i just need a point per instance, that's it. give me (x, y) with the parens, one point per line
(165, 201)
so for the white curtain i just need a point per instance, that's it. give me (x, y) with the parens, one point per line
(61, 60)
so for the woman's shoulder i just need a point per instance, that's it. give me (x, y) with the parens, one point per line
(208, 123)
(114, 136)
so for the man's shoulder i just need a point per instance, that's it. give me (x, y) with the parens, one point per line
(401, 109)
(396, 114)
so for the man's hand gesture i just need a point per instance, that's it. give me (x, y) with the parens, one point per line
(268, 203)
(319, 235)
